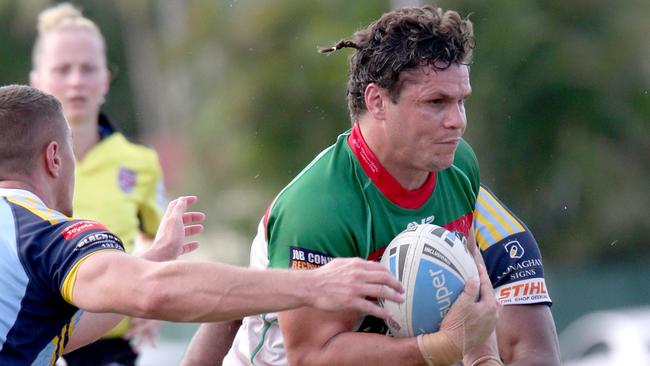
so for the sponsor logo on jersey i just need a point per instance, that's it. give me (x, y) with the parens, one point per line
(303, 258)
(126, 179)
(414, 224)
(523, 292)
(79, 227)
(103, 239)
(514, 249)
(523, 269)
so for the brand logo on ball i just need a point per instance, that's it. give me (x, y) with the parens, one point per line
(433, 266)
(514, 249)
(443, 294)
(433, 252)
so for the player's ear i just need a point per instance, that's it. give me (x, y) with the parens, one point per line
(375, 99)
(53, 159)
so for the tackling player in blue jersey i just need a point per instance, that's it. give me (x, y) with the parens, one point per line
(52, 265)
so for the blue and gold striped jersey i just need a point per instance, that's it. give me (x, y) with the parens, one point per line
(512, 257)
(40, 253)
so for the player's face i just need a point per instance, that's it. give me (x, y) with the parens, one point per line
(426, 123)
(72, 67)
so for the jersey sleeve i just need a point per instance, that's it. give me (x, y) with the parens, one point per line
(69, 246)
(152, 206)
(306, 228)
(510, 252)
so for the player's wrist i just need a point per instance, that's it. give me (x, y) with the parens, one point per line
(438, 350)
(306, 281)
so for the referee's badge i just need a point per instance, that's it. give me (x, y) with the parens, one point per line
(126, 179)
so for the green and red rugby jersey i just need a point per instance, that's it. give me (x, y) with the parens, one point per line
(345, 204)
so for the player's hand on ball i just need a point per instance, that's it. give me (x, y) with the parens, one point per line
(467, 324)
(348, 283)
(175, 227)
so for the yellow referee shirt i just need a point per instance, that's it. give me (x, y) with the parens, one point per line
(119, 184)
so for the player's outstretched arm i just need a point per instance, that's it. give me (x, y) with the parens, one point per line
(208, 292)
(211, 342)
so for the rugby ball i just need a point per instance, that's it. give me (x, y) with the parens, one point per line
(433, 264)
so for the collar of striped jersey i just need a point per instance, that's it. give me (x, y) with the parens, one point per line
(17, 192)
(383, 180)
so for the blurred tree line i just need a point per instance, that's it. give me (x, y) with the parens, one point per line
(236, 99)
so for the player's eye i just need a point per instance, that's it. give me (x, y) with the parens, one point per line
(62, 70)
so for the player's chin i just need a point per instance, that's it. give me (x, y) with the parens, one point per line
(441, 162)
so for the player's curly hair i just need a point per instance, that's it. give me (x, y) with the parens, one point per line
(403, 39)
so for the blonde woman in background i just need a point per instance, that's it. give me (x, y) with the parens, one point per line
(118, 183)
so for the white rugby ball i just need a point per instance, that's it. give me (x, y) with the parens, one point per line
(433, 264)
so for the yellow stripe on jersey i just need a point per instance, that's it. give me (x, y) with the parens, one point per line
(518, 227)
(493, 222)
(71, 277)
(38, 209)
(60, 340)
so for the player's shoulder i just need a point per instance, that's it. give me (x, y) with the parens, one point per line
(41, 229)
(322, 185)
(325, 191)
(29, 207)
(493, 220)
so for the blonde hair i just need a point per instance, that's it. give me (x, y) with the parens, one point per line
(59, 17)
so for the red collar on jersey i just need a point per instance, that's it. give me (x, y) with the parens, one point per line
(385, 182)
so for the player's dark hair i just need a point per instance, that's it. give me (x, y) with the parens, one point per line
(400, 40)
(29, 119)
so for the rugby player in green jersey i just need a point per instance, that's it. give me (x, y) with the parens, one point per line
(402, 163)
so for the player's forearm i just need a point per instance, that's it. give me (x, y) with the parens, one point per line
(209, 292)
(211, 343)
(90, 328)
(544, 352)
(538, 345)
(369, 349)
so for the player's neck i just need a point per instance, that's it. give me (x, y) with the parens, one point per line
(25, 186)
(85, 136)
(390, 159)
